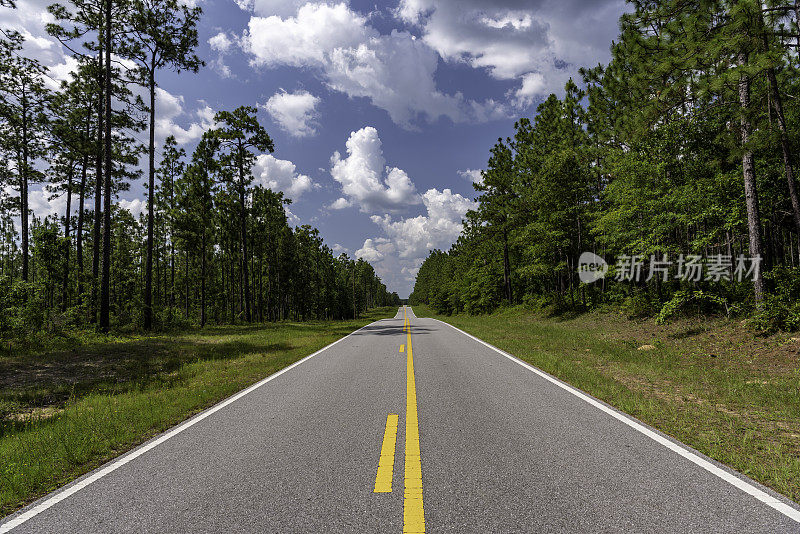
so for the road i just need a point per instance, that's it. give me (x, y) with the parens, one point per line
(410, 425)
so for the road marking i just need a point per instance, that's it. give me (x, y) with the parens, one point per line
(383, 479)
(402, 348)
(413, 514)
(789, 511)
(60, 495)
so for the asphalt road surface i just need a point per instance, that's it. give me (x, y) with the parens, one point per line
(416, 428)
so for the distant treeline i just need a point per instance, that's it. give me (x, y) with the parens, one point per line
(211, 246)
(685, 143)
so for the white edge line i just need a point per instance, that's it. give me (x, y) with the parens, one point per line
(59, 496)
(750, 489)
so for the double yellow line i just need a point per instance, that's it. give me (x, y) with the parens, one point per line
(413, 513)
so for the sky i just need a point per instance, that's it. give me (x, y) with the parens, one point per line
(382, 114)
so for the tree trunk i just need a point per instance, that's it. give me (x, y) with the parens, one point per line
(65, 289)
(23, 193)
(105, 285)
(243, 214)
(171, 238)
(79, 241)
(507, 269)
(788, 168)
(750, 188)
(186, 282)
(148, 270)
(203, 280)
(232, 278)
(98, 191)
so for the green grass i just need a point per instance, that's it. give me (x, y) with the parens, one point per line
(710, 384)
(85, 399)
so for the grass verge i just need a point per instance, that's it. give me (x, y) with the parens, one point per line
(711, 384)
(84, 400)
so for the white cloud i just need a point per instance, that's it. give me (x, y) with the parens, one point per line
(266, 8)
(136, 206)
(397, 257)
(396, 72)
(30, 19)
(293, 219)
(295, 112)
(340, 204)
(473, 175)
(365, 179)
(374, 250)
(44, 204)
(219, 65)
(439, 228)
(220, 42)
(280, 175)
(169, 108)
(305, 39)
(539, 43)
(339, 249)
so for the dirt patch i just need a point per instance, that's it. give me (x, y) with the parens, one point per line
(35, 414)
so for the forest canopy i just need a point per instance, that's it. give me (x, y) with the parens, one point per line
(683, 146)
(210, 247)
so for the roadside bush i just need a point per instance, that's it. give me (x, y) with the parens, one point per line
(687, 301)
(781, 310)
(639, 304)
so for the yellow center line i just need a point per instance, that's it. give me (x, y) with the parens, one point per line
(383, 479)
(402, 348)
(413, 514)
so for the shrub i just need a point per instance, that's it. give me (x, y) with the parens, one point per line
(697, 301)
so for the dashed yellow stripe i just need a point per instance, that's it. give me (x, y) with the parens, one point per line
(413, 514)
(402, 348)
(383, 479)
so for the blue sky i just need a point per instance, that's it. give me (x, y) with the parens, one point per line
(382, 113)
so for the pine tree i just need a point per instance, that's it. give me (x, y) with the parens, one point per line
(239, 133)
(23, 126)
(163, 33)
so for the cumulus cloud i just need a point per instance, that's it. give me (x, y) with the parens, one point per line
(339, 249)
(396, 72)
(366, 180)
(340, 204)
(30, 19)
(375, 250)
(280, 175)
(169, 108)
(473, 175)
(397, 257)
(220, 43)
(305, 39)
(136, 206)
(292, 218)
(271, 7)
(44, 203)
(295, 113)
(384, 192)
(438, 228)
(541, 44)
